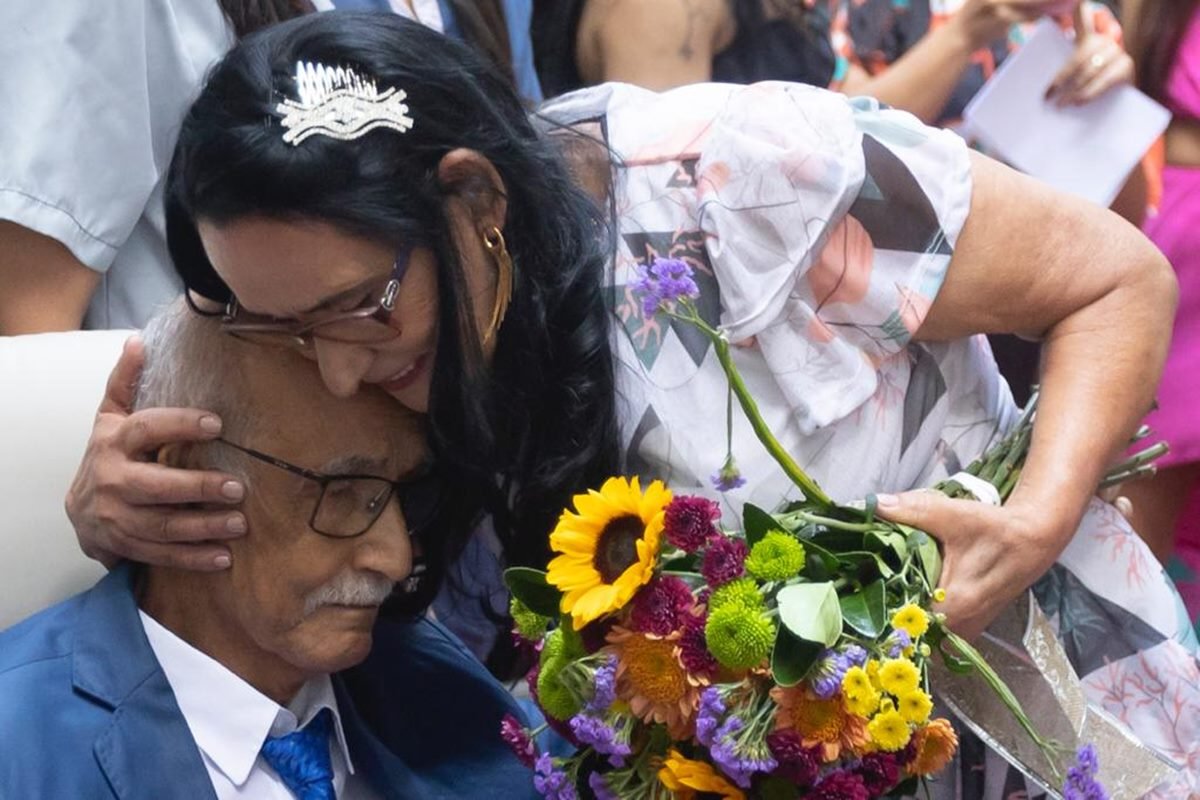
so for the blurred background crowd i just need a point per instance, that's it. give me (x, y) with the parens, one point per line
(101, 89)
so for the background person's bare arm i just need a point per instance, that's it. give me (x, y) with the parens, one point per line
(43, 287)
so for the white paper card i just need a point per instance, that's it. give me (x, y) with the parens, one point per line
(1085, 150)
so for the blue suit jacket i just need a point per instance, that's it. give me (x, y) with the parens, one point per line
(86, 711)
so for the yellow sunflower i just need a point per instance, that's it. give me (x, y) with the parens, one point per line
(609, 547)
(686, 778)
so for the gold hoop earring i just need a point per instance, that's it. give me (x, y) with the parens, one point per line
(493, 240)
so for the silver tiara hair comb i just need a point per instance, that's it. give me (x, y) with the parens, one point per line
(339, 103)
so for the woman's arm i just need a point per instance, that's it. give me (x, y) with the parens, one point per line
(1102, 299)
(922, 80)
(45, 287)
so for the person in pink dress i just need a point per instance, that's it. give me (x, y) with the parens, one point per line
(1167, 507)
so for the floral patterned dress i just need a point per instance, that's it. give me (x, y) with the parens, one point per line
(820, 230)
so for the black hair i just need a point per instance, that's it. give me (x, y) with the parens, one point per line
(248, 16)
(518, 438)
(1155, 43)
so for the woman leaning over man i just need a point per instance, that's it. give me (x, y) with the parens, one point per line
(851, 252)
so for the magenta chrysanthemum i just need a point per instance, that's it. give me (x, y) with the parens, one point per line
(880, 772)
(724, 560)
(690, 522)
(693, 649)
(840, 785)
(517, 738)
(797, 763)
(659, 607)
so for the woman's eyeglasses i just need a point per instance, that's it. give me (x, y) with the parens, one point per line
(368, 324)
(350, 504)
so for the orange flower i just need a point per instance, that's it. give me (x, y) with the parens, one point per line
(820, 722)
(935, 746)
(652, 680)
(685, 778)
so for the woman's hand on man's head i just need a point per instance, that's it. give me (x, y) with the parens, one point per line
(124, 504)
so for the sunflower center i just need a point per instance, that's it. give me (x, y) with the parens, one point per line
(616, 549)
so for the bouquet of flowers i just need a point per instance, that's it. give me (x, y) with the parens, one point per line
(787, 658)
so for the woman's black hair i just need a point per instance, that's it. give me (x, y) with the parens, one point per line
(519, 437)
(248, 16)
(1155, 43)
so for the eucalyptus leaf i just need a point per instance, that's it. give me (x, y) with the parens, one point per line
(866, 611)
(839, 541)
(867, 565)
(888, 540)
(756, 523)
(530, 587)
(792, 658)
(811, 611)
(929, 554)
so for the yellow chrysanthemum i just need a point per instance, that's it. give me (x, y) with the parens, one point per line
(686, 778)
(935, 746)
(609, 547)
(915, 706)
(939, 595)
(899, 676)
(859, 696)
(912, 619)
(873, 673)
(889, 731)
(862, 705)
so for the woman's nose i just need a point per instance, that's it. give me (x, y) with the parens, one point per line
(342, 365)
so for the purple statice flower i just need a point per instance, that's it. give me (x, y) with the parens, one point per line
(601, 736)
(840, 785)
(690, 521)
(517, 738)
(856, 655)
(737, 758)
(600, 787)
(897, 642)
(551, 783)
(826, 680)
(724, 560)
(605, 681)
(728, 477)
(659, 607)
(799, 764)
(708, 716)
(1081, 778)
(663, 283)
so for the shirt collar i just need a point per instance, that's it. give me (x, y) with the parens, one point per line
(229, 718)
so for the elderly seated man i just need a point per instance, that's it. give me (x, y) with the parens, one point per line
(266, 680)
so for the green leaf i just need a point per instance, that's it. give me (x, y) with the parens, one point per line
(811, 611)
(530, 587)
(756, 523)
(838, 541)
(792, 657)
(866, 611)
(928, 553)
(866, 566)
(884, 539)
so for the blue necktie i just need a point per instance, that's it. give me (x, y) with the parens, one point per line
(301, 759)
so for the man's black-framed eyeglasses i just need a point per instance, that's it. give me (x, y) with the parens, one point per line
(350, 504)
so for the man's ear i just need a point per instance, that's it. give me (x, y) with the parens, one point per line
(470, 178)
(174, 454)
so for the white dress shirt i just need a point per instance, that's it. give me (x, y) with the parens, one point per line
(230, 719)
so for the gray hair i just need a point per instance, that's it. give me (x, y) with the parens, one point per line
(191, 363)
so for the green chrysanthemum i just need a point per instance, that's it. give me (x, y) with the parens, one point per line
(739, 638)
(776, 557)
(553, 696)
(530, 624)
(742, 593)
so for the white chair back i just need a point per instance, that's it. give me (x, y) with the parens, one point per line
(50, 387)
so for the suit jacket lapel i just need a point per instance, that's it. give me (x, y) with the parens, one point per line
(148, 748)
(387, 773)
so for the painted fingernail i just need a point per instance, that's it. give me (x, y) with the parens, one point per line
(236, 524)
(210, 424)
(232, 490)
(887, 500)
(222, 561)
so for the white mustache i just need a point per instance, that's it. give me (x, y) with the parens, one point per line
(350, 589)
